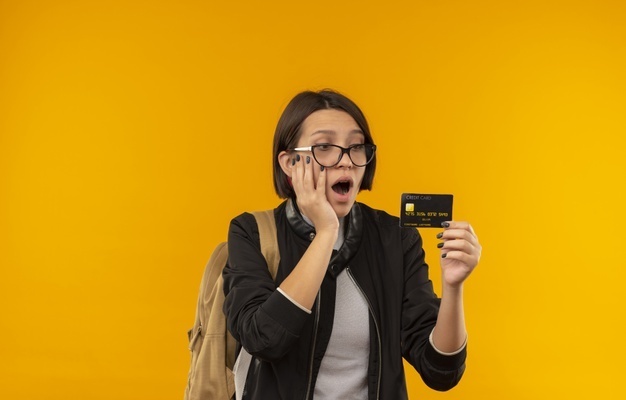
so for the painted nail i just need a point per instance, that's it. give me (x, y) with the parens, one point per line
(443, 256)
(445, 224)
(440, 245)
(439, 235)
(293, 161)
(308, 159)
(321, 168)
(297, 157)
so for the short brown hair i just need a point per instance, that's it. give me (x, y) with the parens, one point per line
(289, 126)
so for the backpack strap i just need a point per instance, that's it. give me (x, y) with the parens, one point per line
(267, 236)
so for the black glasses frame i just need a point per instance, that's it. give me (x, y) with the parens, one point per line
(344, 150)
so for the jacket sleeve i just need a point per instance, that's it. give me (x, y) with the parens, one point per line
(419, 316)
(258, 316)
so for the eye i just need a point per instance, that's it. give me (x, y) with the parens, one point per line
(357, 147)
(323, 147)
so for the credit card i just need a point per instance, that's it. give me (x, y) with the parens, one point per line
(425, 210)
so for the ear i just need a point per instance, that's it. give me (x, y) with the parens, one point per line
(284, 159)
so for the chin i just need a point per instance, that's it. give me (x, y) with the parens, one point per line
(343, 209)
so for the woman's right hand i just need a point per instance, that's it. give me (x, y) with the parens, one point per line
(303, 283)
(311, 194)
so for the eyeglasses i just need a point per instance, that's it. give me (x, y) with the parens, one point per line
(329, 155)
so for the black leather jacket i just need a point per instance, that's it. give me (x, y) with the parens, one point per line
(386, 263)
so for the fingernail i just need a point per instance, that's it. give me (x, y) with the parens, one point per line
(440, 245)
(443, 256)
(297, 157)
(439, 235)
(321, 168)
(293, 161)
(308, 159)
(445, 224)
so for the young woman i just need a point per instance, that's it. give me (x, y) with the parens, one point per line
(352, 295)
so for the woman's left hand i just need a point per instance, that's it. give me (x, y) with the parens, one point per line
(460, 252)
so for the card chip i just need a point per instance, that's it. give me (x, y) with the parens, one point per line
(410, 207)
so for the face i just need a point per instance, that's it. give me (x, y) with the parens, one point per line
(344, 179)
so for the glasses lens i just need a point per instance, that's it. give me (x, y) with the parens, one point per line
(326, 155)
(329, 155)
(361, 154)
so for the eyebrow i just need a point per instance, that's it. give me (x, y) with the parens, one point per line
(331, 132)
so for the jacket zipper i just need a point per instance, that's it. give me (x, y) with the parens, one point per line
(369, 305)
(317, 318)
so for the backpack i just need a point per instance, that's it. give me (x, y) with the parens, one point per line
(212, 347)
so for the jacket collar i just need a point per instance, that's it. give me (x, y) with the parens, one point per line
(352, 237)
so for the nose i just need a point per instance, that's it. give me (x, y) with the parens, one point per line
(344, 161)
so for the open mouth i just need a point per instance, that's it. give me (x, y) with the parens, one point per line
(342, 186)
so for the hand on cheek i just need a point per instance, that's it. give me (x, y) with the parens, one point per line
(311, 193)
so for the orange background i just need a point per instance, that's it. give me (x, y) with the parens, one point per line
(131, 132)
